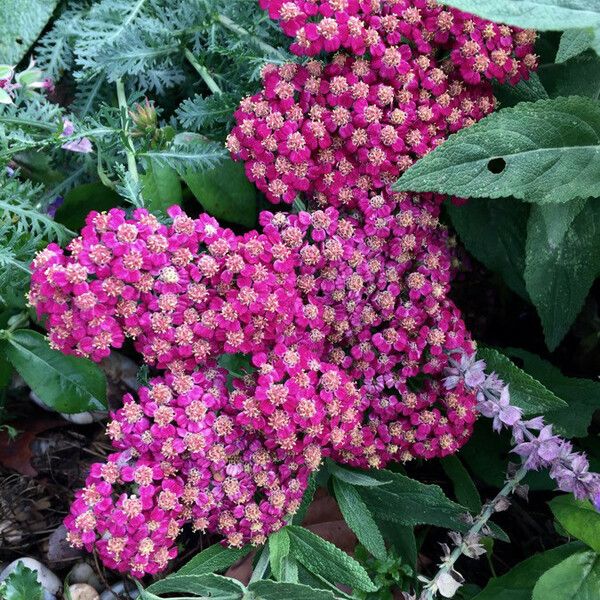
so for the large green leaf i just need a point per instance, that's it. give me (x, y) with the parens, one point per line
(581, 395)
(519, 582)
(464, 488)
(214, 559)
(546, 151)
(225, 193)
(359, 518)
(573, 42)
(279, 556)
(161, 187)
(575, 578)
(495, 233)
(527, 90)
(527, 393)
(271, 590)
(579, 518)
(212, 586)
(80, 201)
(562, 262)
(21, 22)
(580, 76)
(21, 584)
(326, 560)
(65, 383)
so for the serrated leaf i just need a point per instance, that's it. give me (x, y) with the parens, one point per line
(464, 488)
(495, 233)
(279, 550)
(359, 518)
(527, 393)
(161, 187)
(527, 90)
(225, 193)
(326, 560)
(547, 151)
(579, 518)
(66, 384)
(353, 476)
(21, 584)
(21, 22)
(563, 260)
(573, 42)
(212, 586)
(214, 559)
(519, 582)
(581, 395)
(271, 590)
(575, 578)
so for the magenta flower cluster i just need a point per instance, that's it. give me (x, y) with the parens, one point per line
(342, 311)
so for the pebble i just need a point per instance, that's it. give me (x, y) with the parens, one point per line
(82, 572)
(83, 591)
(50, 583)
(59, 550)
(118, 591)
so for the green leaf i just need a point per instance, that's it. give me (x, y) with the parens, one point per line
(580, 76)
(208, 585)
(161, 187)
(575, 578)
(5, 367)
(352, 476)
(214, 559)
(527, 90)
(579, 518)
(279, 550)
(271, 590)
(519, 582)
(573, 42)
(21, 22)
(403, 539)
(66, 384)
(547, 151)
(80, 201)
(563, 260)
(464, 488)
(527, 393)
(495, 233)
(581, 395)
(326, 560)
(307, 499)
(544, 15)
(225, 193)
(21, 584)
(359, 518)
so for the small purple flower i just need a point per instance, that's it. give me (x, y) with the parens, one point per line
(500, 410)
(469, 370)
(82, 145)
(541, 451)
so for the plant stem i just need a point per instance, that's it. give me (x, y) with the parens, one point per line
(129, 151)
(486, 513)
(212, 85)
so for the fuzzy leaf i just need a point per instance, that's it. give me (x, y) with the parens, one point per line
(21, 22)
(519, 582)
(464, 488)
(547, 151)
(579, 518)
(359, 518)
(66, 384)
(271, 590)
(21, 584)
(328, 561)
(212, 586)
(353, 476)
(575, 578)
(563, 260)
(581, 395)
(527, 393)
(283, 567)
(527, 90)
(309, 494)
(214, 559)
(580, 76)
(573, 42)
(225, 193)
(495, 233)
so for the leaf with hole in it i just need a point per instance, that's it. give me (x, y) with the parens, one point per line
(326, 560)
(562, 263)
(66, 384)
(519, 582)
(542, 152)
(359, 518)
(532, 397)
(579, 519)
(21, 22)
(214, 559)
(225, 193)
(212, 586)
(581, 395)
(271, 590)
(575, 578)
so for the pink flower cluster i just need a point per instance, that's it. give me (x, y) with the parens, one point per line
(478, 48)
(342, 312)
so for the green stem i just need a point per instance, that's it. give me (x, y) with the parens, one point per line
(129, 151)
(212, 85)
(488, 510)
